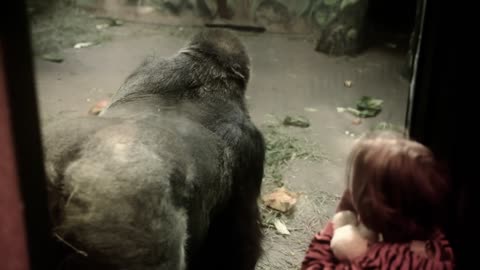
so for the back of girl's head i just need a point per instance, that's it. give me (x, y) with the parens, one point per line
(397, 186)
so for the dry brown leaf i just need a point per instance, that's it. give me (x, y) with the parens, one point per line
(281, 199)
(357, 121)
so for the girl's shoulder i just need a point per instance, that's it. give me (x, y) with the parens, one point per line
(439, 255)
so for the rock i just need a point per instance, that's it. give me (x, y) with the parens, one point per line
(321, 17)
(271, 12)
(346, 3)
(345, 33)
(212, 6)
(225, 10)
(352, 34)
(172, 6)
(333, 40)
(175, 3)
(206, 8)
(297, 7)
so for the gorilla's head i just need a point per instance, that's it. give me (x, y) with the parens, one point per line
(224, 48)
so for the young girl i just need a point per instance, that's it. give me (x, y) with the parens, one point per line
(397, 189)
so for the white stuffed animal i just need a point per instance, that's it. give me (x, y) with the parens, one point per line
(350, 238)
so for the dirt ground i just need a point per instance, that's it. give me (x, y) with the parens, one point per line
(288, 78)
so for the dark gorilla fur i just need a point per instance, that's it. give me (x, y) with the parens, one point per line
(168, 176)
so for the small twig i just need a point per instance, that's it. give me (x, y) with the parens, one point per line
(71, 196)
(256, 29)
(83, 253)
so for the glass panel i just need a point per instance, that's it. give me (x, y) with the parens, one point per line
(322, 73)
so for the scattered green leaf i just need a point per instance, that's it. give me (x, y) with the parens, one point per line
(369, 103)
(52, 57)
(296, 121)
(366, 107)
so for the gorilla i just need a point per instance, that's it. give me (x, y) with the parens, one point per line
(168, 175)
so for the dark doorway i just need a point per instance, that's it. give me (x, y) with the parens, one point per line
(392, 21)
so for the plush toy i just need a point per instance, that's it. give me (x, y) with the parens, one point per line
(350, 238)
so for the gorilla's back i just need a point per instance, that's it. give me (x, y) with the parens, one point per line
(134, 178)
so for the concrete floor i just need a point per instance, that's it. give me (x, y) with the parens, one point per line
(288, 78)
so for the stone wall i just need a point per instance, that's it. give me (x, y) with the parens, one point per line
(338, 24)
(304, 16)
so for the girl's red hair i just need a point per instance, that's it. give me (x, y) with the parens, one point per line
(396, 186)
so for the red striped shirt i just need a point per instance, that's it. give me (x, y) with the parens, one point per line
(380, 255)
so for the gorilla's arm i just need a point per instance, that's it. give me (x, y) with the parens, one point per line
(235, 233)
